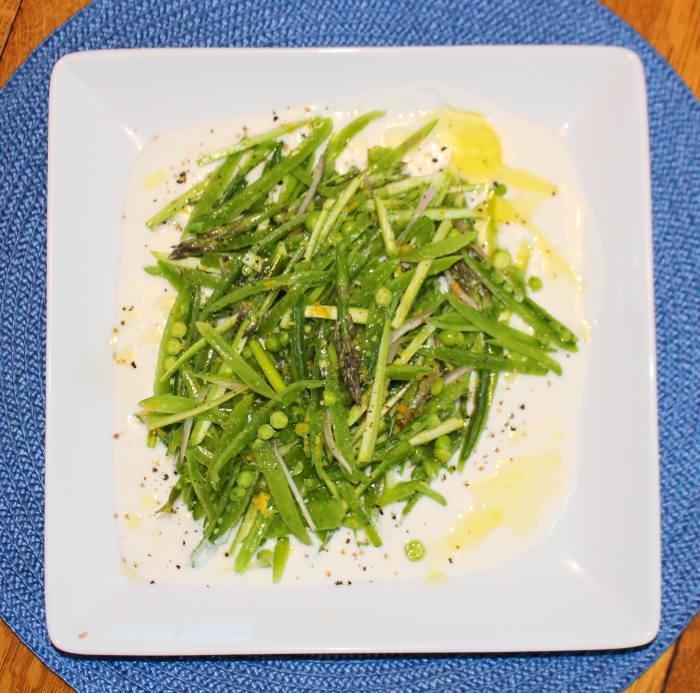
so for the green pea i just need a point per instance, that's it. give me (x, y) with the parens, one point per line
(383, 297)
(438, 387)
(265, 557)
(273, 343)
(311, 220)
(535, 283)
(245, 478)
(266, 432)
(284, 338)
(179, 329)
(442, 455)
(329, 399)
(443, 443)
(448, 337)
(336, 239)
(170, 362)
(279, 420)
(174, 346)
(302, 429)
(415, 550)
(237, 493)
(349, 228)
(500, 190)
(247, 352)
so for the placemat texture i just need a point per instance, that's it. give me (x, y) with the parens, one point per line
(675, 142)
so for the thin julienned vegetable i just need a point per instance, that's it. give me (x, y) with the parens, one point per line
(340, 327)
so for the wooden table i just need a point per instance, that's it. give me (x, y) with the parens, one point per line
(672, 26)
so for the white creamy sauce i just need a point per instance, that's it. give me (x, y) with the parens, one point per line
(532, 418)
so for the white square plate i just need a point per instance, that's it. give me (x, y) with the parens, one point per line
(594, 583)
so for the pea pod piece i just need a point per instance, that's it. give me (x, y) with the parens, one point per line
(483, 362)
(279, 488)
(399, 372)
(168, 404)
(233, 510)
(397, 493)
(339, 416)
(178, 313)
(326, 514)
(279, 558)
(485, 388)
(251, 542)
(240, 441)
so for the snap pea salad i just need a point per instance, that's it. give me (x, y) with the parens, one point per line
(332, 333)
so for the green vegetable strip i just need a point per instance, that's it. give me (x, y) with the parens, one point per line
(369, 438)
(255, 191)
(263, 285)
(337, 144)
(337, 207)
(437, 249)
(217, 185)
(175, 418)
(279, 559)
(443, 429)
(385, 226)
(250, 142)
(297, 355)
(526, 310)
(435, 213)
(238, 365)
(421, 272)
(267, 367)
(486, 386)
(411, 142)
(177, 205)
(506, 336)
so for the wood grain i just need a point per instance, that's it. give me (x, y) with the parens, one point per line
(671, 26)
(8, 12)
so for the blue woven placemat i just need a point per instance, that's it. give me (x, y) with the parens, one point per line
(675, 142)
